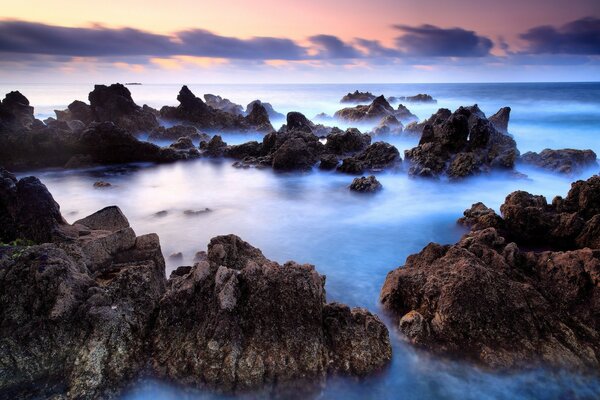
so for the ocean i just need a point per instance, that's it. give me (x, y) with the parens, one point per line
(312, 217)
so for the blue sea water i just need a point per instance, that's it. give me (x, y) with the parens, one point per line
(313, 218)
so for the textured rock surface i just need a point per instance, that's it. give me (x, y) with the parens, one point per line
(463, 144)
(377, 156)
(366, 184)
(358, 97)
(491, 300)
(564, 161)
(244, 321)
(378, 109)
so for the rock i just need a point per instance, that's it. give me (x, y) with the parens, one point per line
(240, 151)
(378, 109)
(298, 152)
(358, 97)
(196, 212)
(328, 162)
(215, 147)
(259, 118)
(270, 111)
(177, 131)
(183, 143)
(219, 103)
(377, 156)
(349, 141)
(298, 122)
(564, 161)
(490, 300)
(193, 110)
(176, 256)
(76, 111)
(27, 210)
(464, 144)
(114, 104)
(15, 113)
(419, 98)
(366, 184)
(389, 125)
(102, 184)
(108, 219)
(161, 213)
(243, 322)
(76, 125)
(500, 119)
(438, 118)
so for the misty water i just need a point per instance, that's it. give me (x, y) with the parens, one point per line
(312, 217)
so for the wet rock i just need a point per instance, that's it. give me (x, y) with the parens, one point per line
(102, 184)
(76, 111)
(419, 98)
(177, 131)
(437, 118)
(500, 119)
(377, 110)
(298, 122)
(297, 152)
(491, 300)
(244, 322)
(344, 142)
(270, 110)
(219, 103)
(214, 148)
(464, 144)
(183, 143)
(328, 161)
(375, 157)
(366, 184)
(564, 161)
(358, 97)
(240, 151)
(114, 104)
(259, 118)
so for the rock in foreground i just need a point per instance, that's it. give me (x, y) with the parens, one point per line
(495, 302)
(365, 184)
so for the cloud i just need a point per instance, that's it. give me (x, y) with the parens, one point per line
(432, 41)
(374, 48)
(579, 37)
(332, 47)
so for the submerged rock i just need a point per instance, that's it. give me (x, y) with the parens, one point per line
(463, 144)
(490, 300)
(366, 184)
(564, 161)
(243, 321)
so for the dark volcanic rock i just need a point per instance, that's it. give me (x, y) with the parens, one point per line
(328, 161)
(439, 117)
(192, 109)
(243, 321)
(366, 184)
(358, 97)
(114, 104)
(564, 161)
(259, 118)
(76, 111)
(298, 122)
(349, 141)
(270, 110)
(463, 144)
(15, 113)
(297, 152)
(219, 103)
(177, 131)
(215, 147)
(494, 302)
(419, 98)
(377, 156)
(500, 119)
(240, 151)
(378, 109)
(388, 125)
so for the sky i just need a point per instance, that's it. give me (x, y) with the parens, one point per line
(324, 41)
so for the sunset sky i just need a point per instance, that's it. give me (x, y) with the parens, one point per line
(300, 41)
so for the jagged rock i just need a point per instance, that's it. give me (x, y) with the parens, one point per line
(328, 161)
(349, 141)
(15, 113)
(183, 143)
(298, 122)
(114, 104)
(177, 131)
(219, 103)
(419, 98)
(259, 118)
(216, 147)
(464, 144)
(243, 321)
(377, 156)
(270, 110)
(389, 125)
(500, 119)
(366, 184)
(438, 118)
(76, 111)
(564, 161)
(299, 151)
(358, 97)
(378, 109)
(490, 300)
(240, 151)
(192, 109)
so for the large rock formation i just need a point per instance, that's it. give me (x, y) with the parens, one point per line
(437, 118)
(564, 161)
(15, 113)
(193, 110)
(86, 312)
(378, 109)
(491, 300)
(177, 131)
(463, 144)
(243, 321)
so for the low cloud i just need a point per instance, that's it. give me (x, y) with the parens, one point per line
(579, 37)
(433, 41)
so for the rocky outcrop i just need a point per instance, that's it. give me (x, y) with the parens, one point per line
(464, 144)
(344, 142)
(15, 113)
(215, 147)
(563, 161)
(83, 314)
(388, 126)
(491, 300)
(358, 97)
(437, 118)
(365, 184)
(243, 321)
(500, 119)
(258, 117)
(177, 131)
(195, 111)
(376, 157)
(219, 103)
(377, 110)
(418, 98)
(273, 115)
